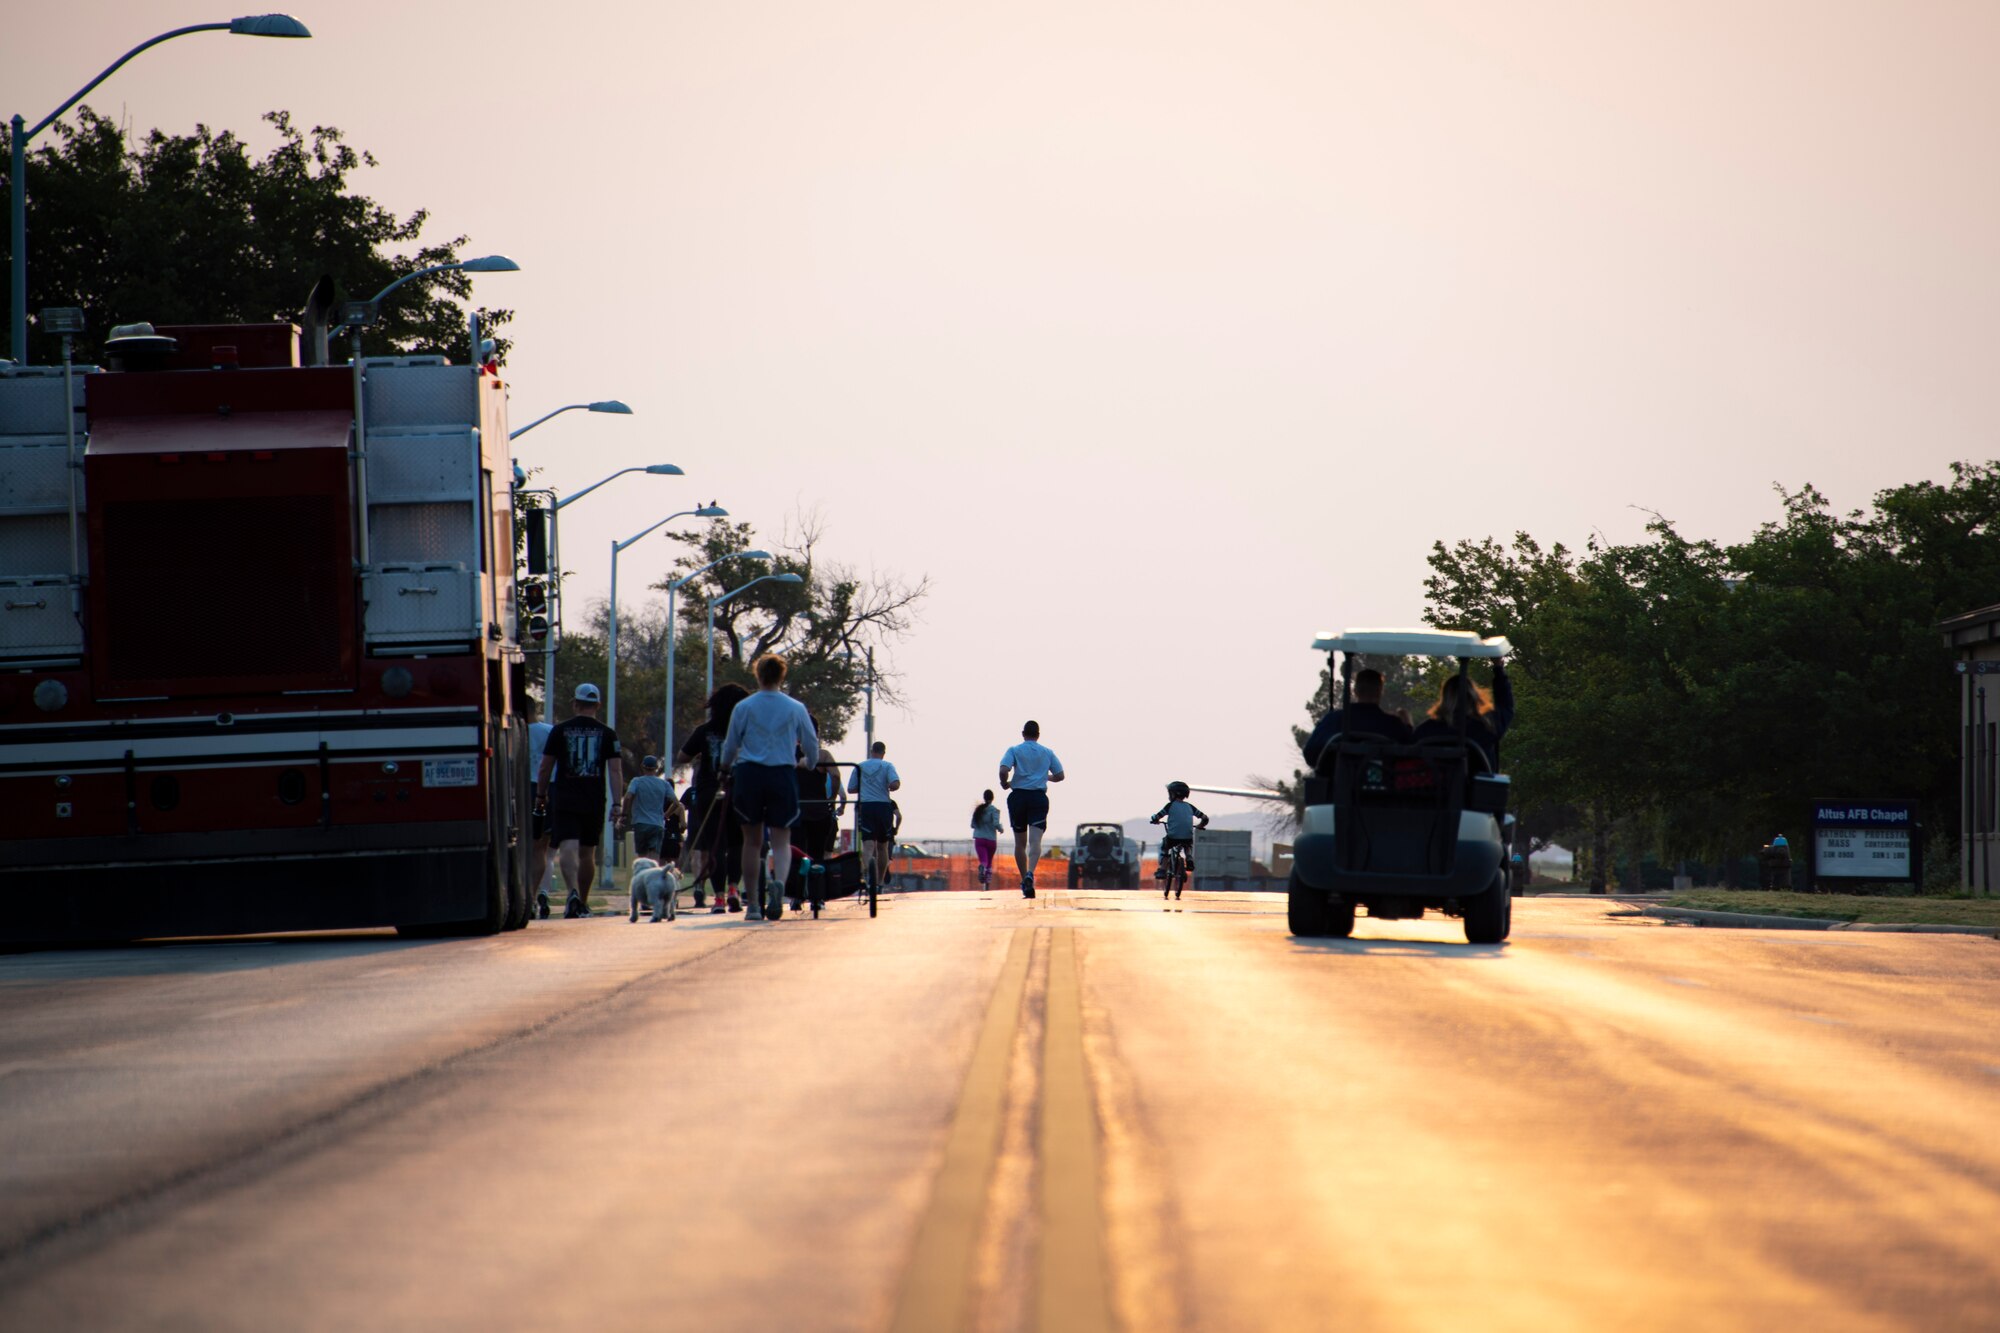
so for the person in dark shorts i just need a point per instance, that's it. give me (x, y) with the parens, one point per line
(770, 736)
(870, 784)
(581, 754)
(713, 841)
(1026, 771)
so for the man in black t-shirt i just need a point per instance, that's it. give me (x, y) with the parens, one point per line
(580, 754)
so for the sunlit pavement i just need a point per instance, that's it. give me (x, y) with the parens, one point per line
(1089, 1111)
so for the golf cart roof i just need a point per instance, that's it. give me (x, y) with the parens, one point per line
(1411, 643)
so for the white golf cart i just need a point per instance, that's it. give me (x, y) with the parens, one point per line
(1401, 828)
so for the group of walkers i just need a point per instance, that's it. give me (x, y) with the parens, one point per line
(759, 784)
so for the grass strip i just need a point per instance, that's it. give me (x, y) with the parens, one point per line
(1927, 911)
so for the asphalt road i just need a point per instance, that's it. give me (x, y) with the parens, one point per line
(979, 1113)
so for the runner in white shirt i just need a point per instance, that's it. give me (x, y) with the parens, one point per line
(871, 782)
(1026, 771)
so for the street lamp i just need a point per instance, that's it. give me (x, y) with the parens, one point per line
(611, 648)
(673, 591)
(256, 25)
(767, 578)
(611, 652)
(611, 405)
(555, 549)
(651, 469)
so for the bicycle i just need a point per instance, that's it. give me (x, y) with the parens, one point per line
(1174, 862)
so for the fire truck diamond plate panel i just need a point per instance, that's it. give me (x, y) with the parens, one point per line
(419, 391)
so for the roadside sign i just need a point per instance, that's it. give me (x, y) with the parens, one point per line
(1866, 840)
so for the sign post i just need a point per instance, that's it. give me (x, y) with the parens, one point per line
(1866, 840)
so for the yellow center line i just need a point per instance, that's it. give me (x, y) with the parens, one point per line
(1074, 1295)
(940, 1274)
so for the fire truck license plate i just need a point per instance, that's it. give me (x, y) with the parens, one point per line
(451, 772)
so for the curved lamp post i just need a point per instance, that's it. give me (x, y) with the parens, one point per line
(651, 469)
(611, 659)
(767, 578)
(256, 25)
(549, 653)
(611, 648)
(611, 405)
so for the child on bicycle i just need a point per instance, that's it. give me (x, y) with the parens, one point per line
(1181, 819)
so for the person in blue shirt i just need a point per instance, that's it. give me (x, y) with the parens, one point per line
(1026, 771)
(770, 734)
(871, 782)
(1182, 819)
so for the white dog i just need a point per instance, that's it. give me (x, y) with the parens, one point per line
(655, 884)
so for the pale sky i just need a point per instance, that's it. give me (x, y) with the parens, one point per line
(1161, 335)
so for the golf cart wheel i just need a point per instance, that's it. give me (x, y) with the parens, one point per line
(1488, 916)
(1307, 911)
(1074, 874)
(1340, 920)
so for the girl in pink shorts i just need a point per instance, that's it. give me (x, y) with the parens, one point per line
(985, 836)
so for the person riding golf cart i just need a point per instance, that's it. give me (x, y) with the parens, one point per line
(1402, 827)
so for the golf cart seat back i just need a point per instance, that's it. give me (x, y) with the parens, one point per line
(1397, 805)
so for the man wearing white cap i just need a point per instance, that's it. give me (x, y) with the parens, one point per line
(580, 754)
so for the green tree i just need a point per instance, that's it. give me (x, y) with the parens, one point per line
(823, 625)
(813, 623)
(1692, 699)
(192, 229)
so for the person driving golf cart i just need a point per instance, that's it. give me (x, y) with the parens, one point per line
(1403, 823)
(1362, 715)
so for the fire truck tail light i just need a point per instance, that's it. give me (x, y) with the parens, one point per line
(170, 458)
(217, 458)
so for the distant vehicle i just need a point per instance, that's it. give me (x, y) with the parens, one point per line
(909, 851)
(1403, 828)
(1104, 858)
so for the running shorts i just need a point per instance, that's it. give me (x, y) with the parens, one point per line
(583, 827)
(1028, 809)
(766, 794)
(878, 821)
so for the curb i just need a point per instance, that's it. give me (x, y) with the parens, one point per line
(1598, 897)
(1921, 928)
(1739, 920)
(1758, 921)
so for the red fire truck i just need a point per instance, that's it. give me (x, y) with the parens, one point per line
(258, 656)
